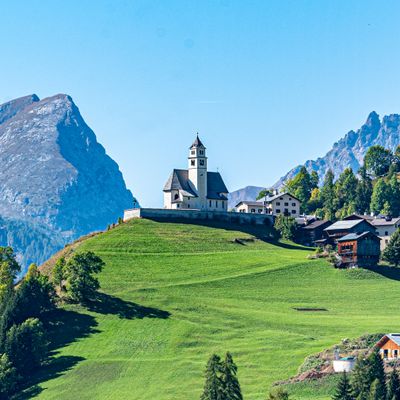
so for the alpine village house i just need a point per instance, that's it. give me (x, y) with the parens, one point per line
(195, 187)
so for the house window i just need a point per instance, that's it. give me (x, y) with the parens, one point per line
(253, 210)
(385, 353)
(278, 203)
(201, 152)
(193, 163)
(280, 198)
(259, 210)
(177, 206)
(294, 204)
(386, 233)
(210, 203)
(278, 211)
(286, 204)
(188, 205)
(201, 162)
(395, 353)
(216, 204)
(193, 152)
(293, 211)
(290, 198)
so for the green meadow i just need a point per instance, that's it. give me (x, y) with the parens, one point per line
(172, 294)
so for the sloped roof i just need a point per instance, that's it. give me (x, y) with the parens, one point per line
(356, 236)
(358, 216)
(276, 196)
(395, 337)
(343, 225)
(316, 224)
(384, 221)
(179, 180)
(197, 142)
(250, 203)
(215, 186)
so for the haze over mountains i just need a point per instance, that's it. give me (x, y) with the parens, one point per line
(347, 152)
(57, 182)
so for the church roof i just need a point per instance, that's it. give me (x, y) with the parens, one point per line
(197, 142)
(179, 180)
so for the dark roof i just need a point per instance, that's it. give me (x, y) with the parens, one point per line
(358, 216)
(317, 224)
(197, 142)
(215, 186)
(179, 180)
(357, 236)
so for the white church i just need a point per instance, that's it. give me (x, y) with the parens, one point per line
(195, 187)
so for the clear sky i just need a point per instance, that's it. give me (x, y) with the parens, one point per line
(268, 84)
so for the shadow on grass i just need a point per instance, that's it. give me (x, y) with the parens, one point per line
(63, 327)
(110, 305)
(386, 271)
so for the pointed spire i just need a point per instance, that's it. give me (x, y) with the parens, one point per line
(197, 142)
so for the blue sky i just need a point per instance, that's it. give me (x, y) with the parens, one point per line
(268, 84)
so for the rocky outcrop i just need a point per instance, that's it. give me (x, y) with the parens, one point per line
(350, 151)
(249, 193)
(57, 182)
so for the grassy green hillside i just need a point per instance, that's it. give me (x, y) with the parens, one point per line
(175, 293)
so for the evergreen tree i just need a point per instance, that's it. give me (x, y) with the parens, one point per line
(230, 381)
(346, 190)
(58, 273)
(377, 373)
(300, 186)
(9, 268)
(213, 387)
(286, 226)
(361, 379)
(393, 386)
(394, 198)
(363, 192)
(81, 285)
(26, 345)
(391, 254)
(343, 390)
(314, 179)
(328, 195)
(377, 391)
(8, 377)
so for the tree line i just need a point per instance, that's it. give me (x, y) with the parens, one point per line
(26, 307)
(374, 188)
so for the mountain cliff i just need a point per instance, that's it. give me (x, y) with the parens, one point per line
(57, 182)
(350, 151)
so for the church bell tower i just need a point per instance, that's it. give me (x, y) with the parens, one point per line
(198, 170)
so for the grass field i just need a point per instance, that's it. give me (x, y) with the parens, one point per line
(175, 293)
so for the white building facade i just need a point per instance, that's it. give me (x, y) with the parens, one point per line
(195, 187)
(279, 204)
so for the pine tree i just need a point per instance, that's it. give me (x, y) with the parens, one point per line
(393, 386)
(363, 192)
(391, 254)
(377, 391)
(213, 387)
(328, 195)
(230, 381)
(8, 377)
(343, 390)
(361, 379)
(377, 372)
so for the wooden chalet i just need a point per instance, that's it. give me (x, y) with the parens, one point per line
(313, 232)
(361, 249)
(389, 346)
(342, 228)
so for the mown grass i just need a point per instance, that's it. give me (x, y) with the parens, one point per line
(175, 293)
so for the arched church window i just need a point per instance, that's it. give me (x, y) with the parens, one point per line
(201, 162)
(176, 197)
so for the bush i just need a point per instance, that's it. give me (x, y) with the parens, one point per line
(8, 377)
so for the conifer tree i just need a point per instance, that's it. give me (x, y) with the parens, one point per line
(391, 254)
(393, 386)
(361, 379)
(213, 387)
(377, 391)
(343, 390)
(377, 372)
(230, 381)
(8, 377)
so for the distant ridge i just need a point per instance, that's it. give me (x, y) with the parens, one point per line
(350, 151)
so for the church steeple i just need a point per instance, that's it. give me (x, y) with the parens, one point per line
(198, 169)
